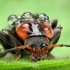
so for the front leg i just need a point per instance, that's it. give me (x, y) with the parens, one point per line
(54, 40)
(5, 41)
(56, 36)
(9, 41)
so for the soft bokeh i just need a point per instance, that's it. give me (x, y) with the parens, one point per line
(59, 9)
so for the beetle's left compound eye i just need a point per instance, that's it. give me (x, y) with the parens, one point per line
(12, 19)
(43, 17)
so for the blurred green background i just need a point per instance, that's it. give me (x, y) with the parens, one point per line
(59, 9)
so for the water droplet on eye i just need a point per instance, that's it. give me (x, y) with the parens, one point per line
(10, 22)
(12, 19)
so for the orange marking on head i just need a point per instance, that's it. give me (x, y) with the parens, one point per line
(47, 29)
(22, 31)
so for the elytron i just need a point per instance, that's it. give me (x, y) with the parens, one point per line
(34, 33)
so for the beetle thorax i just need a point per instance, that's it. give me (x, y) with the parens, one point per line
(36, 30)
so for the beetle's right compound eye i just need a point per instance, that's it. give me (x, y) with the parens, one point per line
(12, 19)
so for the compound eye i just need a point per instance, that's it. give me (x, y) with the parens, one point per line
(44, 45)
(12, 19)
(43, 17)
(27, 15)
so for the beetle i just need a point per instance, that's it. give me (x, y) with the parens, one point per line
(33, 33)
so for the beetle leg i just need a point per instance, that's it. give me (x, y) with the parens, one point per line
(50, 56)
(5, 41)
(56, 31)
(8, 41)
(6, 51)
(17, 55)
(14, 43)
(54, 23)
(56, 36)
